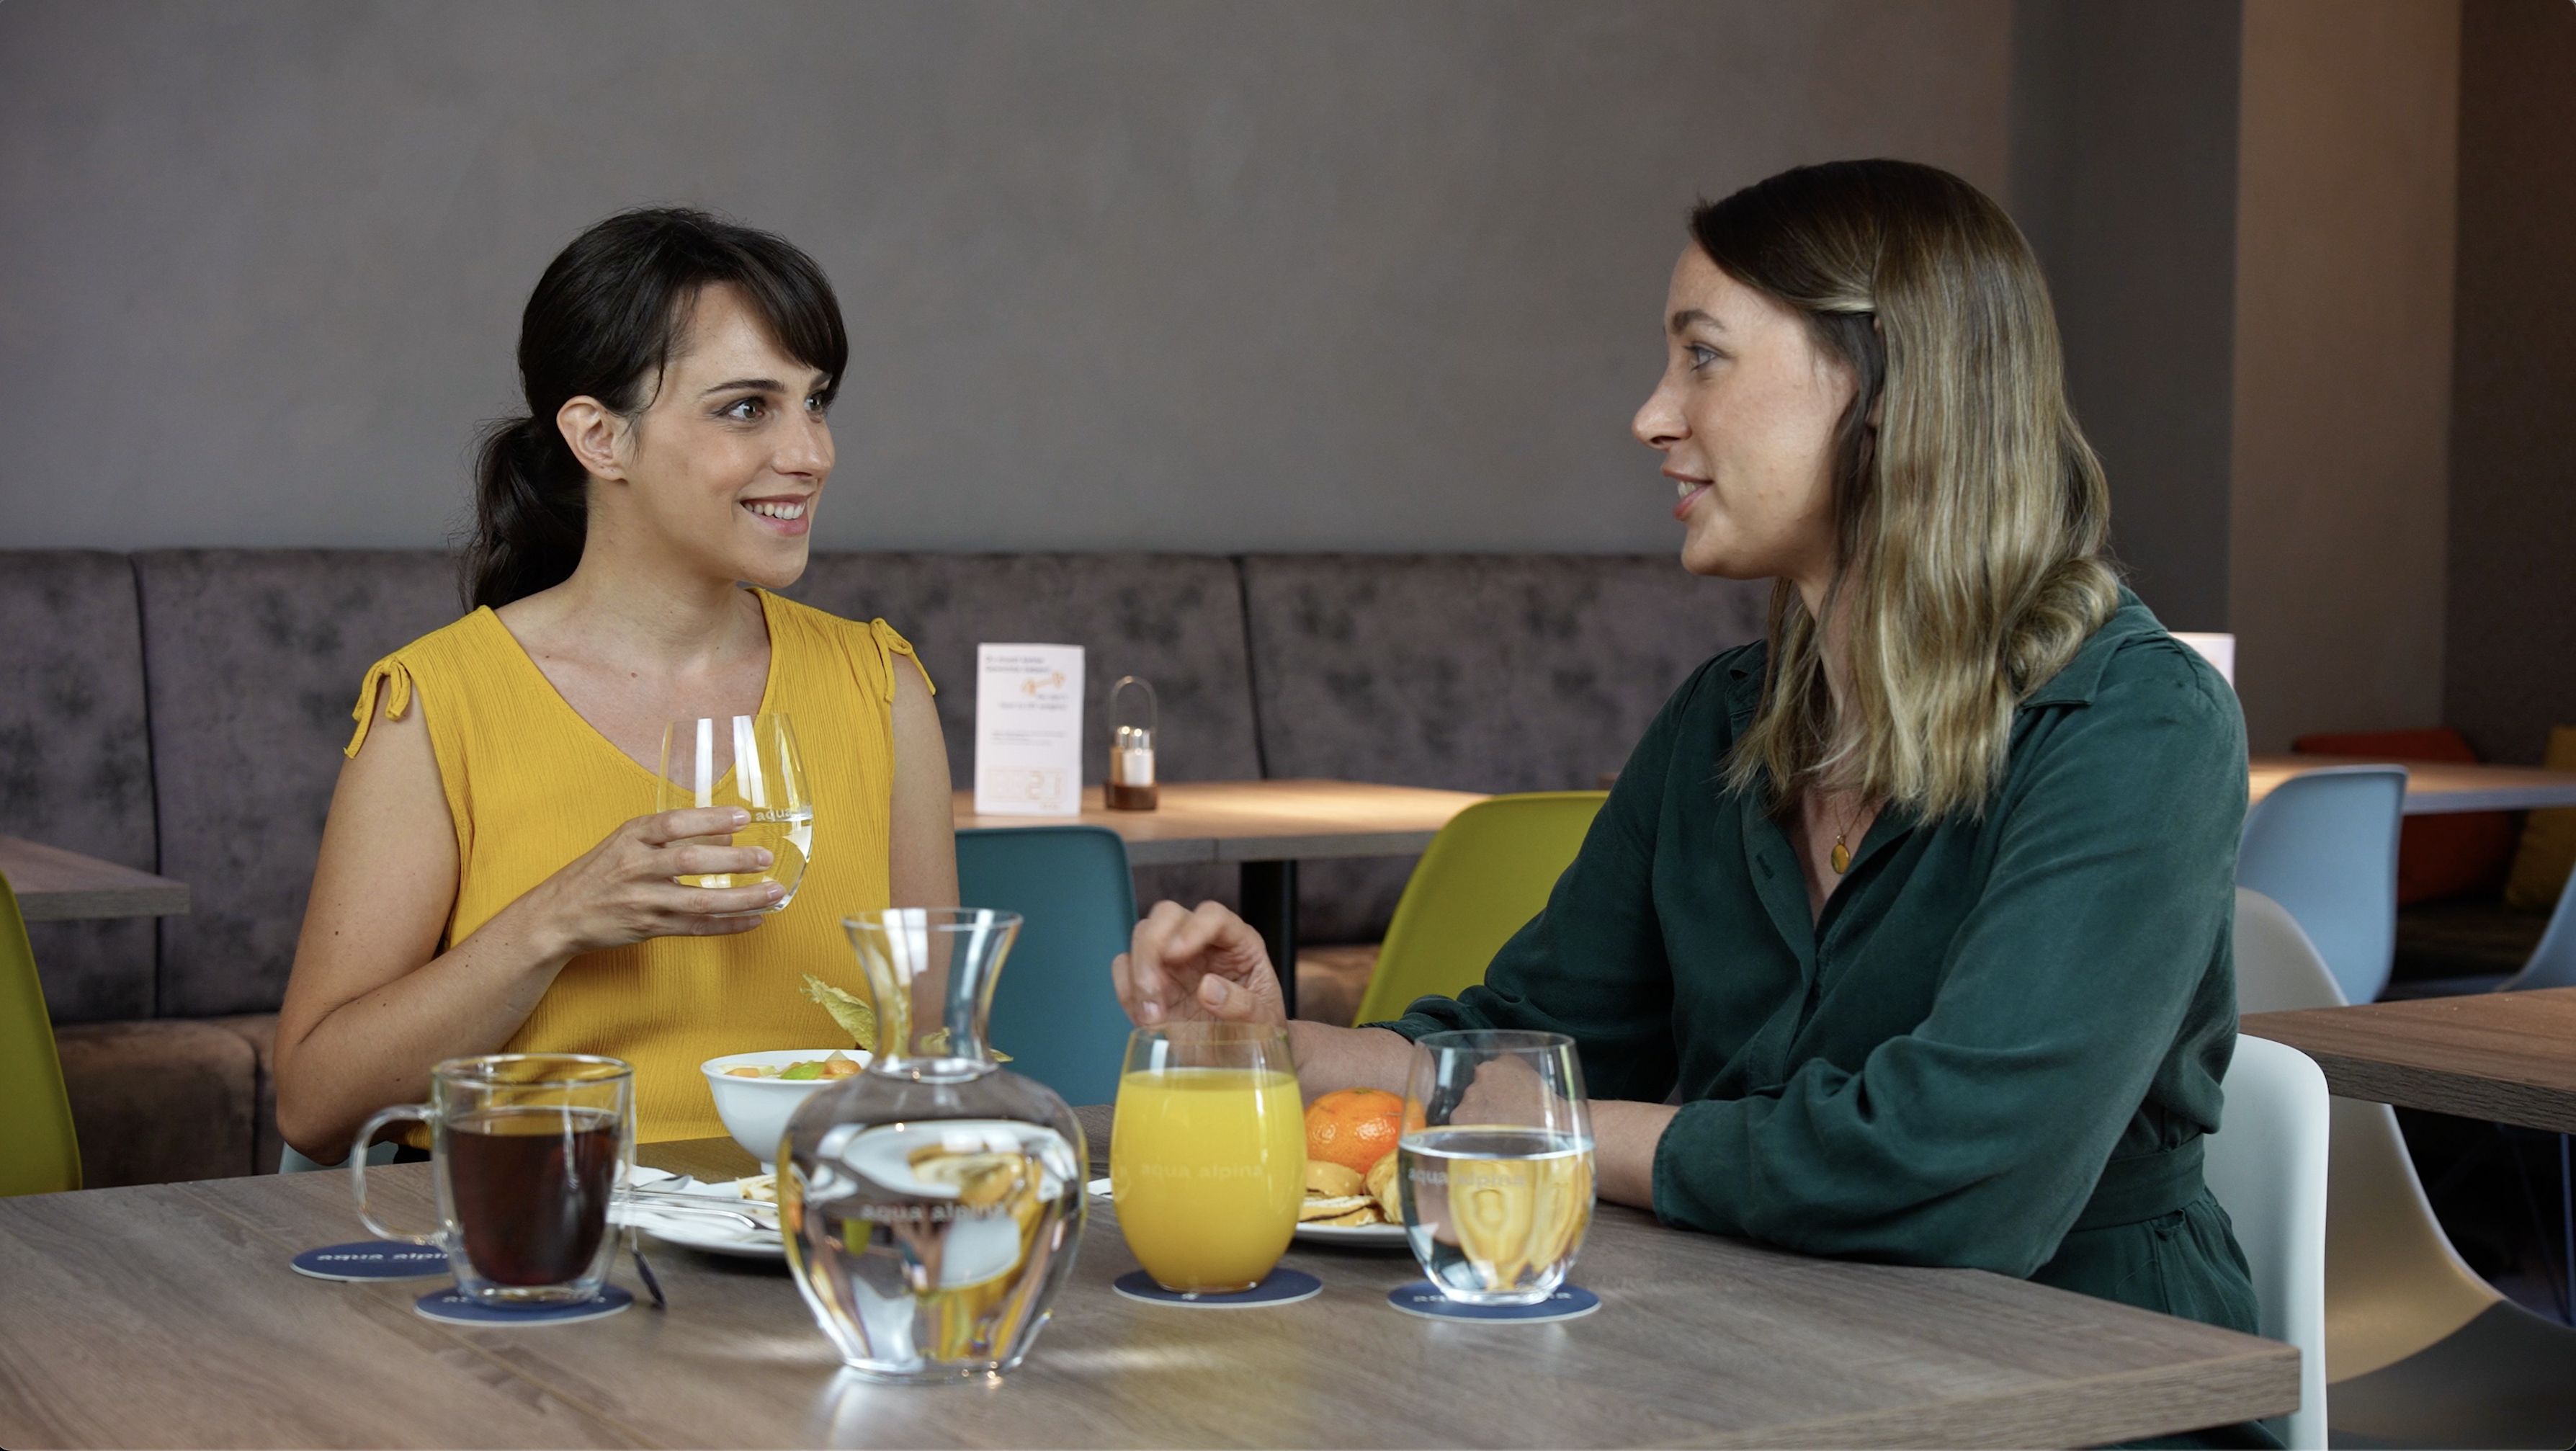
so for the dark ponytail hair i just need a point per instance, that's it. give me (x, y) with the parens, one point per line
(603, 323)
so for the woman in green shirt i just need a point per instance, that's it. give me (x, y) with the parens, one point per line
(1919, 910)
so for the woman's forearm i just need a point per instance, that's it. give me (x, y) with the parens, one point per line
(1330, 1058)
(378, 1048)
(1624, 1138)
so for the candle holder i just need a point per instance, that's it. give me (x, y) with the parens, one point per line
(1131, 751)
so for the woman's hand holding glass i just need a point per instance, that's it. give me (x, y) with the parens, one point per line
(625, 889)
(1206, 966)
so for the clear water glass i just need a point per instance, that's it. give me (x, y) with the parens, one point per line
(749, 761)
(1495, 1164)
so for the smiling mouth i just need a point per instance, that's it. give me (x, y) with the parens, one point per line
(774, 509)
(1686, 491)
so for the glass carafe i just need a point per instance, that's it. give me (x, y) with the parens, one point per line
(932, 1203)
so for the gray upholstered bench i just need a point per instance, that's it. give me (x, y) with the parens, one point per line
(183, 712)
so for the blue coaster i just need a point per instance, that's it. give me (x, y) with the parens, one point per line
(371, 1259)
(1282, 1287)
(458, 1308)
(1423, 1298)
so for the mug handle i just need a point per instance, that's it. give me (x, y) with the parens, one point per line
(358, 1171)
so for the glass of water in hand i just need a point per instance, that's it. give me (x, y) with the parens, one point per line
(749, 761)
(1495, 1163)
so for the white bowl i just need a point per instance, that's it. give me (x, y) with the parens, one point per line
(755, 1110)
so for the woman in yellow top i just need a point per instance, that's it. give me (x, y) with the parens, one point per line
(493, 876)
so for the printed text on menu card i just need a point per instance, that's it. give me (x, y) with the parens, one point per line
(1028, 730)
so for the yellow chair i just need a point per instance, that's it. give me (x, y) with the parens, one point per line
(1485, 876)
(38, 1153)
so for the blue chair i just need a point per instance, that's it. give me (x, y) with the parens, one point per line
(1055, 1011)
(291, 1160)
(2553, 962)
(2323, 844)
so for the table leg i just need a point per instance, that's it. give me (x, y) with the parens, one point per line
(1270, 905)
(2567, 1226)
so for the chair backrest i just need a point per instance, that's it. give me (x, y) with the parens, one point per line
(2394, 1284)
(2277, 967)
(2323, 844)
(2553, 962)
(39, 1154)
(1483, 877)
(2267, 1167)
(1056, 1011)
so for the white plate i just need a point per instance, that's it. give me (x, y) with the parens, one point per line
(715, 1237)
(1373, 1236)
(1353, 1236)
(711, 1233)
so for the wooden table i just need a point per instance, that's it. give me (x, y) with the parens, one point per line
(166, 1315)
(1266, 827)
(54, 885)
(2434, 787)
(2505, 1057)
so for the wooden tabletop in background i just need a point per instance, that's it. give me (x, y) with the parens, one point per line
(54, 885)
(2434, 787)
(166, 1315)
(1250, 821)
(2506, 1057)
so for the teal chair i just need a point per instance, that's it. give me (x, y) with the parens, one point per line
(39, 1153)
(1055, 1011)
(289, 1161)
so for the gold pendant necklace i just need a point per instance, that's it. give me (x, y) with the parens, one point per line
(1841, 856)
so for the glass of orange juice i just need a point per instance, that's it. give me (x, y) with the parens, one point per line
(1207, 1154)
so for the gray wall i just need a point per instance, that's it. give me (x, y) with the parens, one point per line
(1140, 275)
(2511, 631)
(2124, 179)
(2343, 362)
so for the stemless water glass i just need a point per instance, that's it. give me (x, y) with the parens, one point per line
(750, 761)
(1496, 1163)
(526, 1149)
(1207, 1154)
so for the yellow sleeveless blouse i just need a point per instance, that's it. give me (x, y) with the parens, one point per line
(533, 786)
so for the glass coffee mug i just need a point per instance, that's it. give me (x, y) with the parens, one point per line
(527, 1149)
(1207, 1153)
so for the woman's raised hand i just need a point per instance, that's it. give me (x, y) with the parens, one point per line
(1202, 966)
(623, 890)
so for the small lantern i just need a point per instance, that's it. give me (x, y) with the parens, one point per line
(1131, 751)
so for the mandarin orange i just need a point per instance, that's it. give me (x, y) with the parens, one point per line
(1353, 1127)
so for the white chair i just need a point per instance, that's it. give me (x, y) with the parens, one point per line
(2267, 1168)
(2553, 962)
(2419, 1350)
(2324, 845)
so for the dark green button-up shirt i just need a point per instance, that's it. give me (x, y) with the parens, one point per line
(2002, 1041)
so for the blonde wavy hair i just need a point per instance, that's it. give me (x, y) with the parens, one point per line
(1970, 518)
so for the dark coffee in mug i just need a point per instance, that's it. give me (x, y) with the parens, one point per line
(532, 1188)
(526, 1148)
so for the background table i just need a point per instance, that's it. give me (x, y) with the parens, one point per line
(2433, 787)
(166, 1315)
(54, 885)
(1267, 827)
(2506, 1057)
